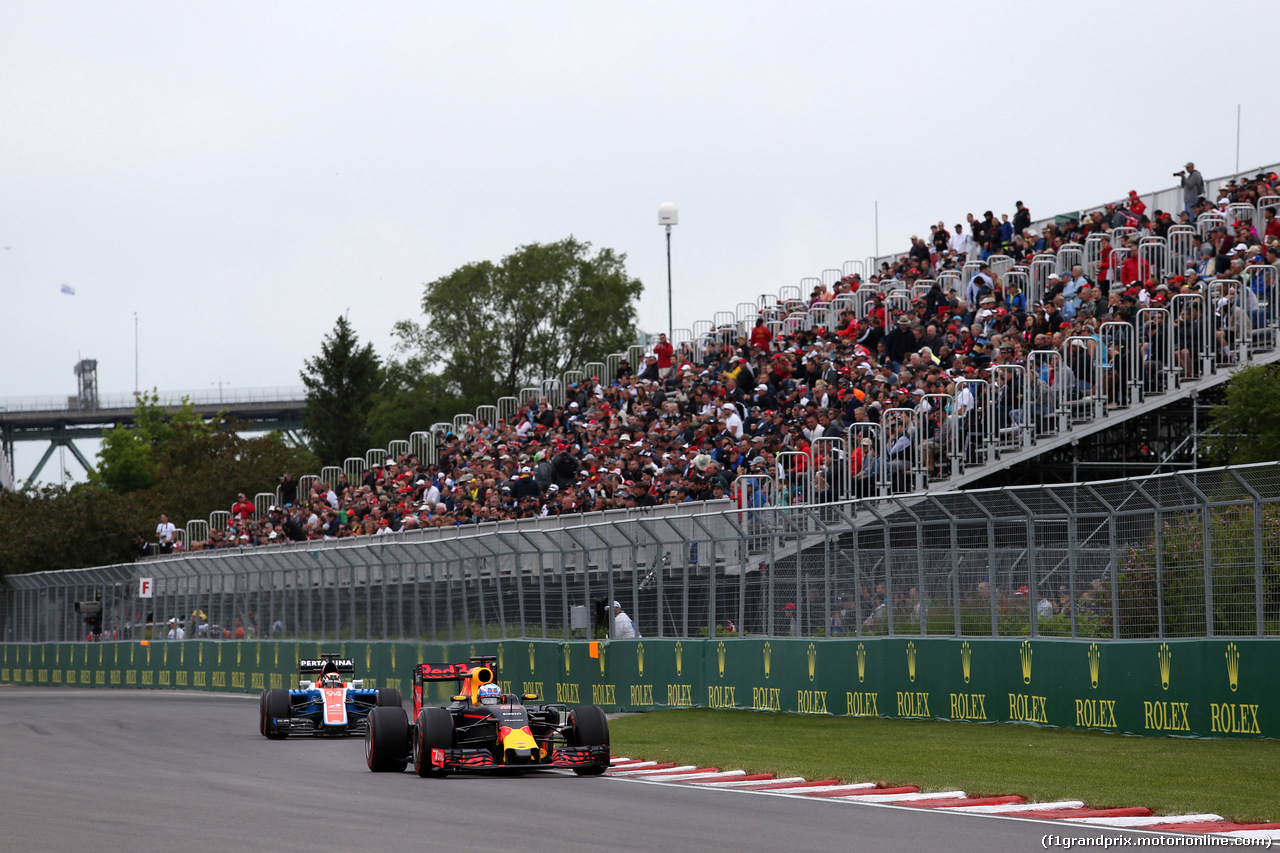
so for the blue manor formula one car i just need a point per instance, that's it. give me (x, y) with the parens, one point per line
(330, 705)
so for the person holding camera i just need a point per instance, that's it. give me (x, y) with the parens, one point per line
(1192, 186)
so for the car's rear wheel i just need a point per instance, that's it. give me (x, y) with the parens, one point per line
(275, 704)
(389, 697)
(590, 727)
(386, 740)
(435, 731)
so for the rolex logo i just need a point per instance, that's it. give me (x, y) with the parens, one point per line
(640, 658)
(531, 656)
(566, 658)
(911, 660)
(720, 657)
(768, 653)
(257, 654)
(966, 656)
(679, 659)
(1095, 658)
(1025, 654)
(393, 657)
(601, 653)
(862, 662)
(1166, 660)
(1233, 666)
(237, 656)
(368, 656)
(813, 660)
(500, 656)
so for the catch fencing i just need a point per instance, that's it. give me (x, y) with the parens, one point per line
(1192, 554)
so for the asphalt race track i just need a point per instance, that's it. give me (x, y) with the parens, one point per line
(90, 770)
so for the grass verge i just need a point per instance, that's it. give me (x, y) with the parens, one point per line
(1238, 779)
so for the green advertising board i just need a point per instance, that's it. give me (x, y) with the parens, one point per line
(1203, 688)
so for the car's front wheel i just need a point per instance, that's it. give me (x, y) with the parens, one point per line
(275, 704)
(389, 697)
(435, 731)
(386, 740)
(590, 727)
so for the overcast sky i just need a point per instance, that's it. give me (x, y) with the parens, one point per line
(240, 174)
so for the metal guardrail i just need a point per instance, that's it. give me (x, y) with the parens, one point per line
(1190, 554)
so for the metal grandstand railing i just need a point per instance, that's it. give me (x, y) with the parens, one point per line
(1191, 554)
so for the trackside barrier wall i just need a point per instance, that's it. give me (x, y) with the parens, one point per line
(1199, 688)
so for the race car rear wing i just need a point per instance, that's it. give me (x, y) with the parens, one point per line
(468, 675)
(327, 663)
(451, 671)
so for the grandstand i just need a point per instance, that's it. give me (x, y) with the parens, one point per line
(917, 372)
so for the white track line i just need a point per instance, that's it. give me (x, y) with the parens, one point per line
(635, 765)
(854, 786)
(654, 772)
(1273, 834)
(711, 774)
(753, 782)
(1150, 820)
(1013, 808)
(903, 798)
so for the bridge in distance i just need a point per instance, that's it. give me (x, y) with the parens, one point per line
(61, 421)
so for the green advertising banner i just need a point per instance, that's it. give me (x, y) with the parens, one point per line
(1203, 688)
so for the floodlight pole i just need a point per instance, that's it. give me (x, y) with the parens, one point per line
(668, 216)
(670, 303)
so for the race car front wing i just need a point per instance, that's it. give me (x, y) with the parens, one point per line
(482, 759)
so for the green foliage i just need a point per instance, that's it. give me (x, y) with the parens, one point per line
(1245, 428)
(408, 402)
(192, 467)
(129, 459)
(544, 308)
(341, 383)
(1180, 582)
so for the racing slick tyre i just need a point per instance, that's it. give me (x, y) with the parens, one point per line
(590, 728)
(275, 703)
(386, 740)
(435, 731)
(389, 697)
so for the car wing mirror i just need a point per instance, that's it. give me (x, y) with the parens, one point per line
(359, 682)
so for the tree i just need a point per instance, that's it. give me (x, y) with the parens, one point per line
(129, 459)
(495, 328)
(409, 402)
(195, 471)
(341, 383)
(1245, 429)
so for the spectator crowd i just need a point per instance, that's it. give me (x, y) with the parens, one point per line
(698, 415)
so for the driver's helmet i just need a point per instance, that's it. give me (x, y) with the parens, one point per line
(490, 694)
(331, 679)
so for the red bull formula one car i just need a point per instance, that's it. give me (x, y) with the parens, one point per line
(329, 703)
(484, 729)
